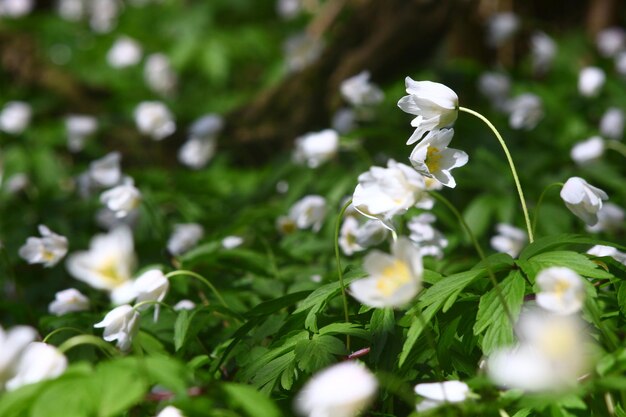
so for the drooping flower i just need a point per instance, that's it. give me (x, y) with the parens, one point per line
(590, 81)
(152, 285)
(610, 219)
(12, 344)
(434, 105)
(582, 199)
(561, 290)
(184, 237)
(68, 301)
(170, 411)
(125, 52)
(393, 279)
(385, 192)
(543, 50)
(106, 171)
(48, 249)
(439, 393)
(610, 41)
(612, 124)
(184, 305)
(159, 75)
(430, 241)
(315, 148)
(154, 119)
(15, 117)
(496, 87)
(122, 199)
(359, 91)
(432, 157)
(79, 127)
(501, 27)
(525, 111)
(602, 250)
(588, 151)
(509, 239)
(232, 242)
(121, 324)
(38, 362)
(309, 212)
(342, 390)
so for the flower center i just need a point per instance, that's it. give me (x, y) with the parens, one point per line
(561, 288)
(433, 158)
(109, 272)
(393, 277)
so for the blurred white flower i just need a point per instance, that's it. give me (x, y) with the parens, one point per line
(525, 111)
(612, 123)
(103, 15)
(125, 52)
(282, 187)
(106, 171)
(301, 50)
(561, 290)
(170, 411)
(431, 157)
(16, 8)
(108, 263)
(48, 250)
(154, 119)
(385, 192)
(122, 199)
(610, 219)
(438, 393)
(79, 127)
(620, 63)
(12, 344)
(315, 148)
(434, 105)
(356, 236)
(359, 91)
(232, 242)
(38, 362)
(152, 285)
(543, 50)
(342, 390)
(347, 236)
(590, 81)
(159, 74)
(309, 212)
(207, 126)
(393, 280)
(72, 10)
(184, 237)
(107, 219)
(496, 87)
(509, 239)
(68, 301)
(288, 9)
(610, 41)
(121, 324)
(501, 27)
(429, 240)
(285, 225)
(587, 151)
(344, 120)
(582, 199)
(197, 152)
(602, 250)
(184, 305)
(17, 182)
(15, 117)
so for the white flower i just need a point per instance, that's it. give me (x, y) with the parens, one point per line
(561, 290)
(103, 15)
(590, 81)
(347, 236)
(184, 237)
(48, 250)
(344, 120)
(525, 111)
(315, 148)
(184, 305)
(610, 41)
(152, 285)
(288, 9)
(121, 324)
(393, 280)
(17, 182)
(285, 225)
(543, 50)
(122, 199)
(610, 219)
(501, 27)
(602, 250)
(359, 91)
(207, 126)
(385, 192)
(106, 171)
(301, 50)
(108, 219)
(125, 52)
(68, 301)
(170, 411)
(588, 151)
(309, 212)
(108, 263)
(12, 344)
(620, 63)
(197, 152)
(496, 87)
(431, 157)
(582, 199)
(434, 104)
(79, 127)
(282, 187)
(15, 117)
(342, 390)
(612, 123)
(159, 74)
(154, 119)
(438, 393)
(38, 362)
(509, 239)
(16, 8)
(232, 242)
(371, 233)
(72, 10)
(429, 240)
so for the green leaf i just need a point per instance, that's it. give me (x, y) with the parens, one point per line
(201, 253)
(551, 242)
(120, 385)
(251, 401)
(180, 329)
(276, 304)
(166, 371)
(573, 260)
(351, 329)
(479, 214)
(67, 397)
(318, 352)
(382, 325)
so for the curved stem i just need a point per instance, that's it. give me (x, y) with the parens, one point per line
(339, 270)
(541, 197)
(87, 339)
(616, 146)
(59, 330)
(201, 279)
(480, 252)
(511, 165)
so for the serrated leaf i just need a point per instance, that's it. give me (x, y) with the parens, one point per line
(318, 352)
(573, 260)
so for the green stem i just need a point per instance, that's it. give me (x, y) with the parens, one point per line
(541, 197)
(480, 252)
(339, 270)
(60, 330)
(511, 165)
(201, 279)
(431, 341)
(87, 339)
(616, 146)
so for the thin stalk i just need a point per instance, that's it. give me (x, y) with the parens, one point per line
(541, 197)
(339, 270)
(616, 146)
(87, 339)
(520, 192)
(480, 252)
(60, 330)
(201, 279)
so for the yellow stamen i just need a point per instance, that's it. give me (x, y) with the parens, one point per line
(393, 277)
(433, 157)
